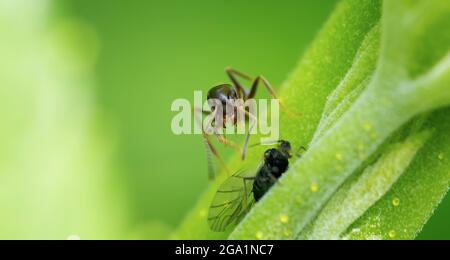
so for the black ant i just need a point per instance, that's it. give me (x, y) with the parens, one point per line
(227, 95)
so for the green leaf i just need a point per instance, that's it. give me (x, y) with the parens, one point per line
(360, 192)
(314, 79)
(403, 211)
(362, 87)
(395, 94)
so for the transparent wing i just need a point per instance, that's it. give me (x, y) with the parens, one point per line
(232, 201)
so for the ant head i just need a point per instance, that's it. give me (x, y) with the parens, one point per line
(221, 93)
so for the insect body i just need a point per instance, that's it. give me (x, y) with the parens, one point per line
(239, 192)
(227, 95)
(276, 162)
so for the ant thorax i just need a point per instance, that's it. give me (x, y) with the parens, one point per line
(230, 112)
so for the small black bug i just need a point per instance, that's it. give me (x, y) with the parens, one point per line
(239, 192)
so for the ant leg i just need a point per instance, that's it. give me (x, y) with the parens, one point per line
(269, 89)
(223, 140)
(253, 121)
(233, 74)
(238, 73)
(209, 147)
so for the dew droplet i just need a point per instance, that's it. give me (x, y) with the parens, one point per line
(441, 156)
(396, 202)
(284, 219)
(259, 235)
(314, 187)
(392, 234)
(339, 156)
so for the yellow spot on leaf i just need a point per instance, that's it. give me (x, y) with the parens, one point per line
(314, 187)
(367, 127)
(396, 202)
(202, 213)
(284, 219)
(339, 156)
(259, 235)
(392, 234)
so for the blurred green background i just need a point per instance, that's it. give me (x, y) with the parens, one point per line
(85, 95)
